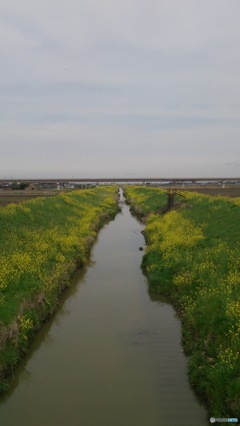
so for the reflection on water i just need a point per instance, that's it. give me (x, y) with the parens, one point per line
(111, 355)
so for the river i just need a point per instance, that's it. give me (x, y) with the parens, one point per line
(111, 355)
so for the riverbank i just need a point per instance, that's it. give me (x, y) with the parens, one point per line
(42, 243)
(192, 256)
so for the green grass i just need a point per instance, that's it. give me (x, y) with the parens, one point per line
(144, 200)
(193, 257)
(42, 242)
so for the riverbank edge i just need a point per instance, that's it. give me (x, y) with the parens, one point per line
(16, 338)
(171, 297)
(204, 378)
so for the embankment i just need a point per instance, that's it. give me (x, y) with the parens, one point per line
(192, 256)
(42, 243)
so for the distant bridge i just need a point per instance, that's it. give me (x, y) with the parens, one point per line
(125, 179)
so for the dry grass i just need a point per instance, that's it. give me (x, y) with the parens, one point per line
(8, 197)
(213, 190)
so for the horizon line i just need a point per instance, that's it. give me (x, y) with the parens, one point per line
(121, 179)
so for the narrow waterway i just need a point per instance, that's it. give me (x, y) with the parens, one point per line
(111, 355)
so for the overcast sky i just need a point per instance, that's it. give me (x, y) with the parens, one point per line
(110, 88)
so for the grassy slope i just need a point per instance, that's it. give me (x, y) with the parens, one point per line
(41, 244)
(144, 201)
(193, 257)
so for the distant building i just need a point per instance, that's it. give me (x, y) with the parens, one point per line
(31, 187)
(4, 186)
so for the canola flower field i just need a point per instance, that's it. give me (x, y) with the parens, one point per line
(193, 257)
(42, 242)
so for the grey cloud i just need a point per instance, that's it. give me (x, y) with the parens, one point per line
(233, 164)
(119, 87)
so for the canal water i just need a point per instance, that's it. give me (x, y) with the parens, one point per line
(111, 355)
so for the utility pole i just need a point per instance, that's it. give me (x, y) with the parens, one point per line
(171, 194)
(170, 198)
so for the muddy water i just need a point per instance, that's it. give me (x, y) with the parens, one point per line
(110, 356)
